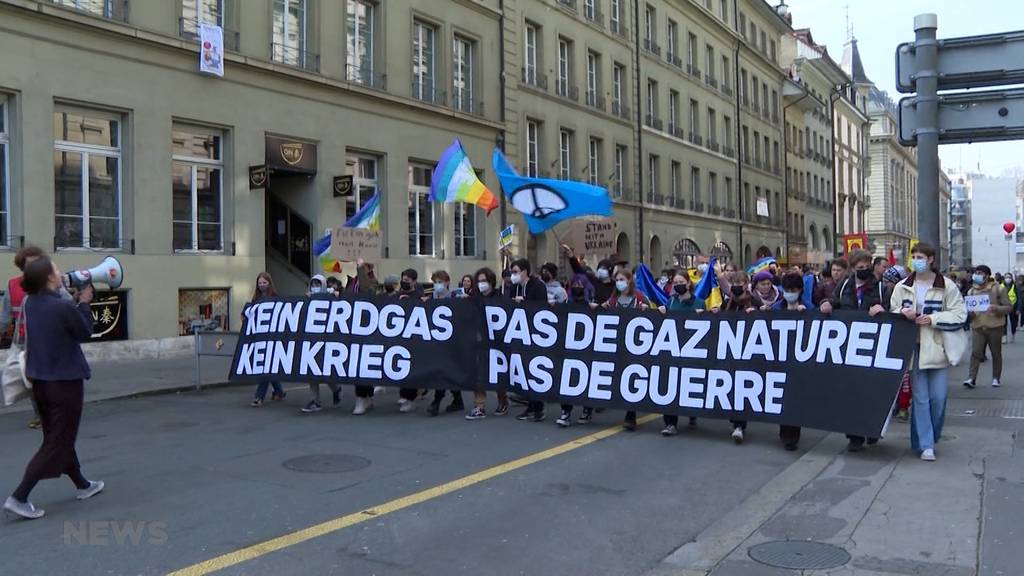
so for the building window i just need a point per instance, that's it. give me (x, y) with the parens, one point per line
(360, 42)
(615, 16)
(593, 65)
(743, 24)
(207, 308)
(590, 10)
(727, 131)
(532, 149)
(649, 20)
(672, 39)
(564, 154)
(618, 77)
(364, 172)
(195, 12)
(87, 179)
(728, 194)
(675, 173)
(724, 10)
(713, 189)
(421, 212)
(594, 161)
(652, 177)
(197, 176)
(620, 167)
(114, 9)
(289, 32)
(465, 229)
(652, 102)
(694, 120)
(423, 68)
(709, 52)
(564, 67)
(462, 74)
(5, 143)
(531, 36)
(695, 187)
(692, 52)
(673, 112)
(726, 73)
(753, 89)
(771, 50)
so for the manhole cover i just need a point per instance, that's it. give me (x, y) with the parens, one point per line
(796, 555)
(326, 463)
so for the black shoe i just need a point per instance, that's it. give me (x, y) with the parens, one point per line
(336, 396)
(538, 416)
(872, 441)
(527, 415)
(855, 446)
(586, 416)
(789, 446)
(434, 408)
(456, 406)
(629, 424)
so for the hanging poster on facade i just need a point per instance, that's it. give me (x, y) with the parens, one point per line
(211, 49)
(762, 207)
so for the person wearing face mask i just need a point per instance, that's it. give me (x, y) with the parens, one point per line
(408, 288)
(318, 288)
(367, 286)
(764, 294)
(485, 292)
(988, 327)
(627, 296)
(682, 300)
(581, 293)
(441, 291)
(527, 288)
(859, 291)
(1011, 294)
(601, 278)
(792, 300)
(933, 303)
(556, 292)
(265, 291)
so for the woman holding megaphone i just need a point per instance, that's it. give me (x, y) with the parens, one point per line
(56, 366)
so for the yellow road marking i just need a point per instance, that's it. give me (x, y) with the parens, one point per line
(324, 528)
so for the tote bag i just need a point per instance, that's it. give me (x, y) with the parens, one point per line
(16, 386)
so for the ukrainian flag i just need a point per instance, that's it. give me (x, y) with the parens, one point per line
(707, 289)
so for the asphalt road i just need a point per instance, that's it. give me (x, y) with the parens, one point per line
(194, 476)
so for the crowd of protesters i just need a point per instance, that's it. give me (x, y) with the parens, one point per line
(858, 282)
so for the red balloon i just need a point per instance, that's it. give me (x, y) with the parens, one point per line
(1009, 227)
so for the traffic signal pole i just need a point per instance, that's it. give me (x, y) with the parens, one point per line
(927, 78)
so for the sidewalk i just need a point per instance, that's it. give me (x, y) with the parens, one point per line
(117, 379)
(891, 513)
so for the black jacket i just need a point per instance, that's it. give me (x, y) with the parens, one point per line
(534, 291)
(844, 297)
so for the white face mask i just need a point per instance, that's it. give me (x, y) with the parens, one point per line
(602, 274)
(621, 285)
(317, 289)
(919, 265)
(702, 268)
(516, 277)
(791, 297)
(483, 287)
(440, 288)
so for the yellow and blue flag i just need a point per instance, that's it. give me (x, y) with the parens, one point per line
(707, 289)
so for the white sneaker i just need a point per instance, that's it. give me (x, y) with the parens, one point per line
(380, 390)
(362, 406)
(402, 401)
(93, 489)
(995, 382)
(928, 455)
(24, 509)
(1004, 339)
(737, 435)
(407, 406)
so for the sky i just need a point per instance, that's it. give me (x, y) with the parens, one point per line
(881, 25)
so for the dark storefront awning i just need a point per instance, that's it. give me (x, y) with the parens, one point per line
(290, 156)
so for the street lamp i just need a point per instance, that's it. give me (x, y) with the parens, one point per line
(1009, 227)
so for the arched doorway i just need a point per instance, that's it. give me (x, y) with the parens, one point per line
(813, 233)
(747, 260)
(721, 251)
(778, 253)
(764, 252)
(622, 248)
(656, 257)
(685, 253)
(826, 240)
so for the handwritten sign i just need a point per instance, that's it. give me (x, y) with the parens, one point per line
(593, 236)
(506, 236)
(351, 244)
(976, 303)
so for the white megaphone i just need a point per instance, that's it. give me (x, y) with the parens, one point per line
(107, 272)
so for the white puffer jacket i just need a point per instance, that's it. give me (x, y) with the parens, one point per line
(944, 304)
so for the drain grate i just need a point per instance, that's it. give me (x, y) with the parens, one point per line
(326, 463)
(797, 555)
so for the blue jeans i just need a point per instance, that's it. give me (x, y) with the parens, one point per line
(929, 406)
(261, 389)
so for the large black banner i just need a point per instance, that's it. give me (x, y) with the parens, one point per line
(839, 372)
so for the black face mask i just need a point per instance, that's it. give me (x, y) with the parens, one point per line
(577, 292)
(406, 286)
(737, 290)
(864, 274)
(681, 289)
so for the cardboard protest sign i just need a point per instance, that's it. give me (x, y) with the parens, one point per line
(351, 244)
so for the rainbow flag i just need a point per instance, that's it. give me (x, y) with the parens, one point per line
(454, 180)
(760, 265)
(322, 249)
(368, 216)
